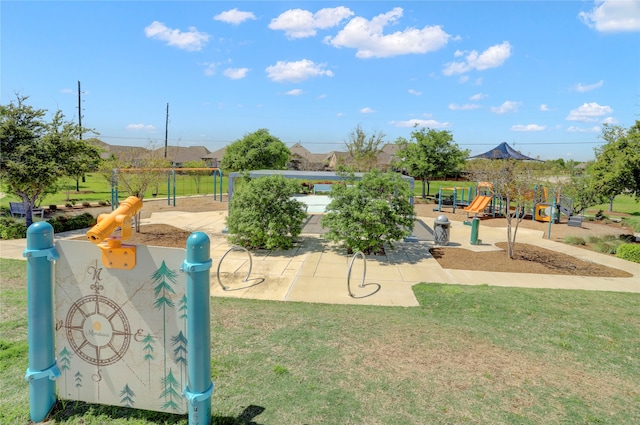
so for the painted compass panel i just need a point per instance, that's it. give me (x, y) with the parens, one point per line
(121, 334)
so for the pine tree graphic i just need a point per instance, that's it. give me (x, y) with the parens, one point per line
(148, 354)
(163, 291)
(182, 308)
(64, 362)
(127, 395)
(179, 343)
(170, 392)
(78, 379)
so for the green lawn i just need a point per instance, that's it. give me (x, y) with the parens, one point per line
(96, 188)
(466, 355)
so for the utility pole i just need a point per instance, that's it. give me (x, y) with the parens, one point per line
(80, 109)
(166, 132)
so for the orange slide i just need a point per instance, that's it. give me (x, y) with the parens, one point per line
(479, 204)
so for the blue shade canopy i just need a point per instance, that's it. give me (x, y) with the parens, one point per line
(504, 151)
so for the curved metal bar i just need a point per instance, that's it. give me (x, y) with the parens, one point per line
(364, 274)
(246, 278)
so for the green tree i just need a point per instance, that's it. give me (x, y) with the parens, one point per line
(616, 169)
(263, 214)
(137, 171)
(86, 159)
(37, 153)
(429, 154)
(513, 181)
(367, 213)
(255, 151)
(363, 149)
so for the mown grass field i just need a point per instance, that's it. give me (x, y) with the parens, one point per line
(466, 355)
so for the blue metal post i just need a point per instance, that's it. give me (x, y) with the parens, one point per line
(42, 370)
(174, 186)
(200, 387)
(168, 189)
(455, 199)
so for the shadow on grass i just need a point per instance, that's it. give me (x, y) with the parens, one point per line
(65, 410)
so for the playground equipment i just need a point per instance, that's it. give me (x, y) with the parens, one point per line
(124, 335)
(453, 201)
(171, 181)
(479, 204)
(114, 255)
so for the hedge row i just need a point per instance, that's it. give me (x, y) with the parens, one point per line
(16, 229)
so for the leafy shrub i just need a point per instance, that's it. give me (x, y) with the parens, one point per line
(68, 205)
(263, 215)
(102, 203)
(606, 247)
(53, 207)
(629, 251)
(86, 204)
(366, 214)
(575, 240)
(12, 229)
(64, 223)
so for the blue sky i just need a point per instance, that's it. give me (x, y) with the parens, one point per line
(541, 75)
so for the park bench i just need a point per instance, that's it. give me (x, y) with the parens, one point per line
(18, 209)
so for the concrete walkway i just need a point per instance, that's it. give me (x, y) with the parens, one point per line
(316, 270)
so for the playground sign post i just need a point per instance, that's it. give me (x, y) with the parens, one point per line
(135, 337)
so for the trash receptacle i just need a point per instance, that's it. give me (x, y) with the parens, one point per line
(441, 230)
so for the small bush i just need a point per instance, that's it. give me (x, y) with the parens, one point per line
(102, 203)
(12, 229)
(575, 240)
(263, 215)
(63, 223)
(606, 247)
(86, 204)
(68, 205)
(53, 207)
(629, 251)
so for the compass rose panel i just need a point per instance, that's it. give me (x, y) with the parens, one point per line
(121, 335)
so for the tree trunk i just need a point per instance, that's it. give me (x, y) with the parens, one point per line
(611, 198)
(423, 189)
(77, 184)
(428, 188)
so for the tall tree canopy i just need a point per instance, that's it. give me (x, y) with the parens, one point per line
(255, 151)
(617, 166)
(36, 153)
(363, 149)
(428, 155)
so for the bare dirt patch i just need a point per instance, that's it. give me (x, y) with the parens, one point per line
(528, 259)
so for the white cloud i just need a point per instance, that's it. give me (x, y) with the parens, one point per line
(589, 112)
(544, 108)
(210, 69)
(493, 57)
(465, 107)
(299, 23)
(294, 92)
(322, 96)
(366, 110)
(367, 37)
(613, 16)
(478, 96)
(140, 127)
(508, 106)
(583, 88)
(234, 16)
(415, 92)
(296, 71)
(573, 129)
(419, 123)
(528, 127)
(236, 73)
(67, 91)
(192, 40)
(339, 114)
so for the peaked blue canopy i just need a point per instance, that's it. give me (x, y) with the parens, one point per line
(504, 151)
